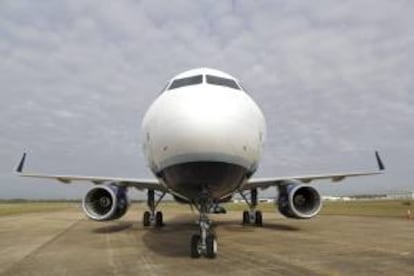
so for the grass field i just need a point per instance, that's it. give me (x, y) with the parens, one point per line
(16, 208)
(379, 208)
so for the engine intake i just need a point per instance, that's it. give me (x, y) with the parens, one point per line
(299, 201)
(105, 202)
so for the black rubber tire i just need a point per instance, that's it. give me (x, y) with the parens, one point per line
(195, 240)
(146, 219)
(159, 220)
(259, 218)
(211, 246)
(246, 218)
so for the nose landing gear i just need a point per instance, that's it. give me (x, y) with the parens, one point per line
(205, 243)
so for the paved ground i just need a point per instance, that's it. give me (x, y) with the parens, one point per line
(65, 243)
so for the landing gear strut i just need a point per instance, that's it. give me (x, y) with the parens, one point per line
(152, 217)
(204, 243)
(252, 216)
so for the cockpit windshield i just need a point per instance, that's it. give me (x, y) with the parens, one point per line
(222, 82)
(198, 79)
(186, 82)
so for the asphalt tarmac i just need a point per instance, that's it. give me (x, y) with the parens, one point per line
(66, 243)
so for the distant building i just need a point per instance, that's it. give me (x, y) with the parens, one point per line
(401, 195)
(266, 200)
(261, 200)
(238, 200)
(336, 198)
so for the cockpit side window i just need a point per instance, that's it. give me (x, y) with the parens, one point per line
(186, 82)
(222, 82)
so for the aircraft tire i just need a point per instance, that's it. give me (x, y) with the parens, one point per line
(211, 246)
(259, 218)
(146, 219)
(159, 220)
(246, 217)
(195, 241)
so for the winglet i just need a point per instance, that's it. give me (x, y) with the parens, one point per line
(381, 166)
(20, 167)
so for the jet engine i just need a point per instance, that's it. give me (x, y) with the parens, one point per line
(105, 202)
(299, 201)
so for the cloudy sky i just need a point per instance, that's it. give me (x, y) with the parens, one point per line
(334, 79)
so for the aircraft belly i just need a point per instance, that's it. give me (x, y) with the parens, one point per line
(192, 178)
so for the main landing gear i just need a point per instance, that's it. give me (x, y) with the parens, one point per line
(204, 243)
(252, 216)
(152, 217)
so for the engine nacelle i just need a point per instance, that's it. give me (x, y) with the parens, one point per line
(105, 202)
(299, 201)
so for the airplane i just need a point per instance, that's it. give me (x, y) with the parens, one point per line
(203, 138)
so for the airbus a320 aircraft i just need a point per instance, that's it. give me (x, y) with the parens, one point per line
(203, 139)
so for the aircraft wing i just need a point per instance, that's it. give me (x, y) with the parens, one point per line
(264, 183)
(141, 184)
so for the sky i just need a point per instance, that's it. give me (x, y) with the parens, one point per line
(333, 78)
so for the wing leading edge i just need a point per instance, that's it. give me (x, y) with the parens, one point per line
(141, 184)
(154, 184)
(264, 183)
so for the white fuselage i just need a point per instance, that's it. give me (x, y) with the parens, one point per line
(203, 124)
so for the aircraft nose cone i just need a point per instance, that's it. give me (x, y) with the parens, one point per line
(204, 125)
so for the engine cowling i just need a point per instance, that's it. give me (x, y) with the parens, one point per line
(105, 202)
(299, 201)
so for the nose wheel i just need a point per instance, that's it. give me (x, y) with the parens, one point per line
(196, 246)
(209, 250)
(204, 243)
(211, 246)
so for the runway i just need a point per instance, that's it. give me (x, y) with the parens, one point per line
(66, 243)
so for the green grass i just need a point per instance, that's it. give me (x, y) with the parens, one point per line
(378, 208)
(16, 208)
(264, 207)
